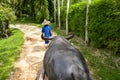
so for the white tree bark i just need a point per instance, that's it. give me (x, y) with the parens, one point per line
(89, 1)
(59, 22)
(67, 11)
(86, 24)
(55, 12)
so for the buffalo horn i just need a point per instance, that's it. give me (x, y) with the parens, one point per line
(45, 38)
(70, 36)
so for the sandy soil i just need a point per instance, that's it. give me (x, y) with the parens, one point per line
(29, 64)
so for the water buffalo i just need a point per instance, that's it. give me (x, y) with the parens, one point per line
(62, 61)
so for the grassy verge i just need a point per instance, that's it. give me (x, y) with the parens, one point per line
(9, 52)
(100, 62)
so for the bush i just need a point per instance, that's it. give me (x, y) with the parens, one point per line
(104, 24)
(6, 16)
(103, 27)
(76, 18)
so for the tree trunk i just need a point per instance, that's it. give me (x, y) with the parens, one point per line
(55, 12)
(62, 2)
(59, 14)
(20, 8)
(67, 11)
(87, 42)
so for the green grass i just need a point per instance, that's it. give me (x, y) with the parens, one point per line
(9, 52)
(102, 65)
(100, 62)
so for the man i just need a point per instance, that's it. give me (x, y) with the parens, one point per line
(46, 30)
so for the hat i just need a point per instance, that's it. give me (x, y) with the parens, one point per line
(45, 22)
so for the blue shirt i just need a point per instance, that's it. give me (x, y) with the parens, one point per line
(47, 30)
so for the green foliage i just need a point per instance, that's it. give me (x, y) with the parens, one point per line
(76, 18)
(62, 17)
(41, 10)
(6, 13)
(9, 52)
(75, 1)
(104, 24)
(6, 16)
(51, 10)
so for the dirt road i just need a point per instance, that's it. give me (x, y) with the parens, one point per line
(29, 64)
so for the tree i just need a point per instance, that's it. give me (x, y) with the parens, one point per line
(59, 22)
(62, 2)
(55, 12)
(41, 10)
(51, 9)
(86, 24)
(67, 11)
(6, 16)
(20, 8)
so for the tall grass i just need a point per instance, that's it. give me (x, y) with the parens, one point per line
(9, 52)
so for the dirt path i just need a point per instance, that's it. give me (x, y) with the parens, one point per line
(31, 57)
